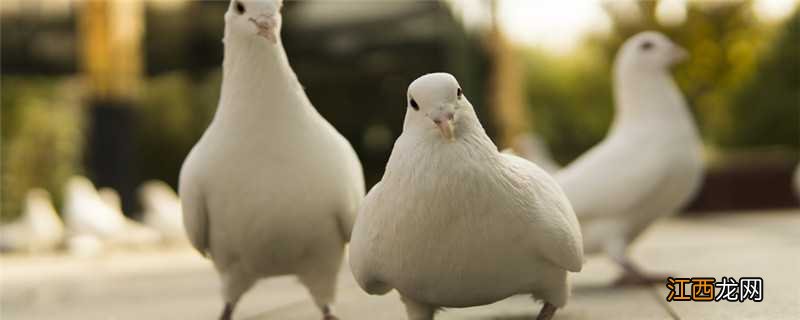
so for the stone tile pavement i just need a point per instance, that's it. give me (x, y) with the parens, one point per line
(175, 283)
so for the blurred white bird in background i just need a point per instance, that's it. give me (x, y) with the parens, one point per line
(650, 164)
(271, 188)
(134, 233)
(455, 223)
(162, 210)
(89, 213)
(37, 229)
(86, 213)
(532, 147)
(111, 198)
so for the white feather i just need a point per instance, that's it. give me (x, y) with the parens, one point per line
(459, 224)
(85, 212)
(162, 210)
(271, 188)
(532, 147)
(650, 164)
(133, 233)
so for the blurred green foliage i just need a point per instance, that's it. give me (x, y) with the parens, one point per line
(570, 101)
(741, 81)
(41, 137)
(43, 130)
(174, 111)
(767, 105)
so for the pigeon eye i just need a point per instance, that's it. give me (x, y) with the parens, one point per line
(240, 8)
(414, 104)
(647, 45)
(459, 93)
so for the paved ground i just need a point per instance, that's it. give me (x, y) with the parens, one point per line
(175, 283)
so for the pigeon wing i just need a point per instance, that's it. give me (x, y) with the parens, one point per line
(195, 214)
(556, 233)
(609, 180)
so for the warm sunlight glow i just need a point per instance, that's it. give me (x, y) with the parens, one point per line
(771, 10)
(671, 12)
(557, 26)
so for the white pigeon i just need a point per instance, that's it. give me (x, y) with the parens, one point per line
(85, 212)
(162, 210)
(89, 213)
(133, 233)
(38, 228)
(454, 222)
(271, 188)
(649, 165)
(532, 147)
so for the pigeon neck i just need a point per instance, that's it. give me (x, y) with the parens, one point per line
(257, 78)
(649, 98)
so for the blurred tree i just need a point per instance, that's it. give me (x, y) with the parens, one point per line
(186, 37)
(41, 138)
(767, 106)
(569, 99)
(724, 39)
(173, 114)
(37, 42)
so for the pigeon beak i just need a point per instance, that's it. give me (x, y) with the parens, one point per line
(444, 121)
(267, 26)
(679, 54)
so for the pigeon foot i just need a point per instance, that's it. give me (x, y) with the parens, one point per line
(227, 312)
(547, 312)
(632, 279)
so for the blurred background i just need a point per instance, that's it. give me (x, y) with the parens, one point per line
(120, 91)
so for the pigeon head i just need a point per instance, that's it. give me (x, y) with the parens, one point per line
(254, 18)
(111, 198)
(80, 186)
(650, 50)
(436, 102)
(38, 201)
(37, 195)
(153, 191)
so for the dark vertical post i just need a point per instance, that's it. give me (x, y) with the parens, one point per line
(506, 94)
(111, 33)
